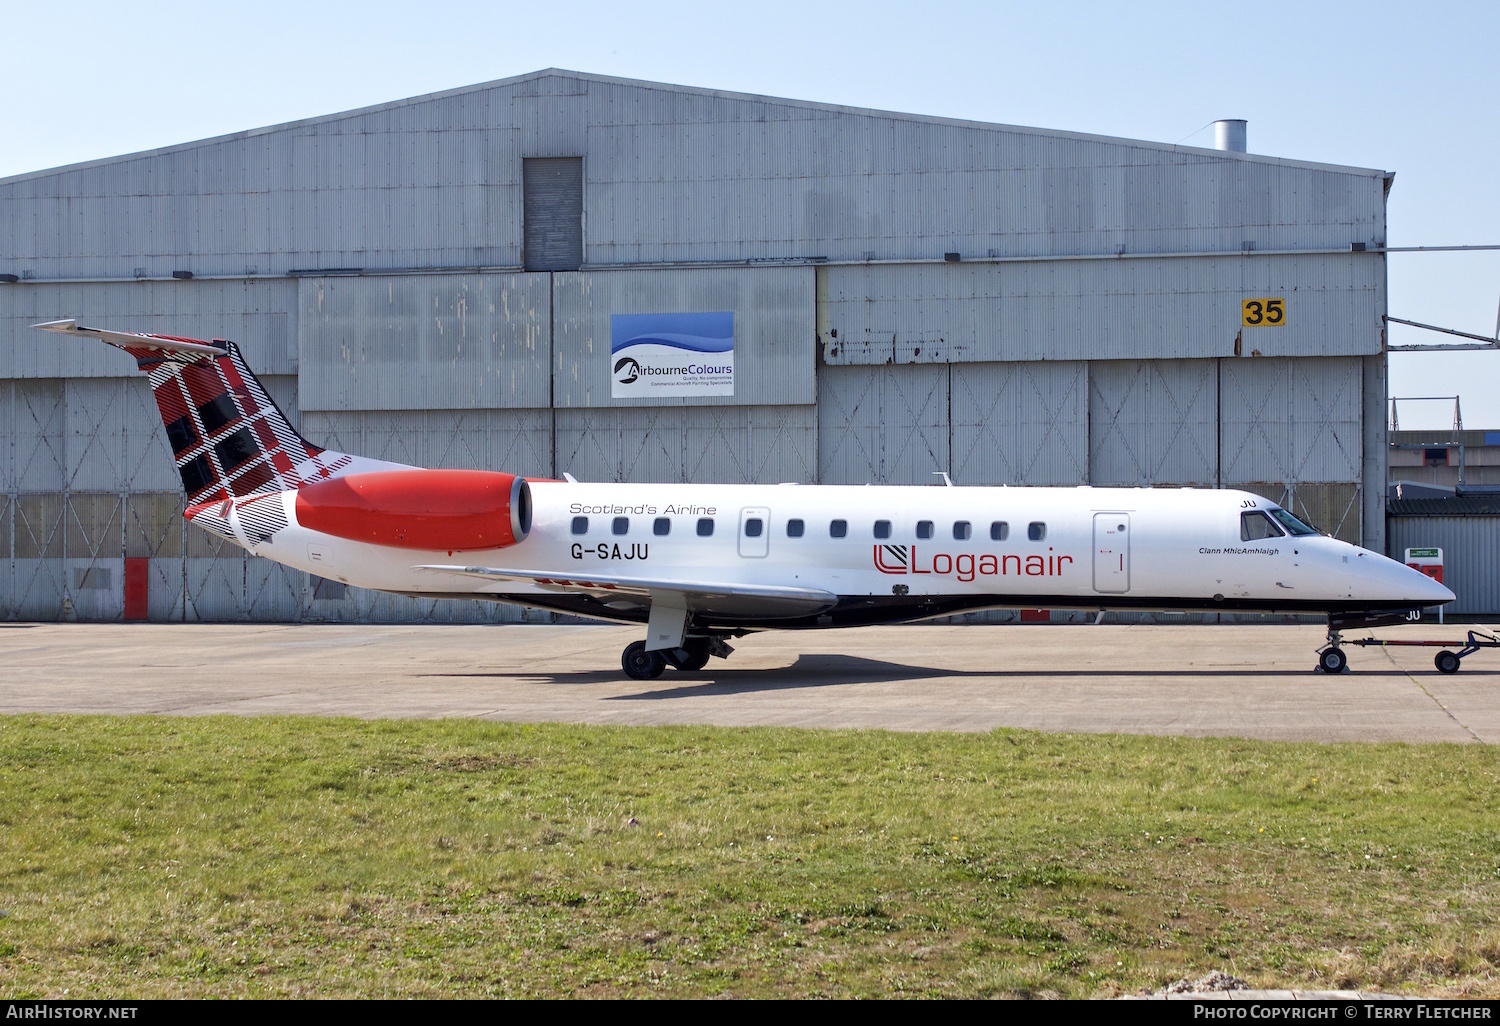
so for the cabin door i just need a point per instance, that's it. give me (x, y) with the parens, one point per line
(1112, 553)
(755, 532)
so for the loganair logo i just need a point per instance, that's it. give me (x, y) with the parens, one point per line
(627, 370)
(903, 559)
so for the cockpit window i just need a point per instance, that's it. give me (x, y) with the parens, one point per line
(1255, 526)
(1294, 527)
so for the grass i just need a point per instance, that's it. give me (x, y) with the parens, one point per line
(318, 857)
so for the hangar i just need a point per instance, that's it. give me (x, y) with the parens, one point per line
(434, 280)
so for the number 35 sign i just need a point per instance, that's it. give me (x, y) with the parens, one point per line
(1263, 313)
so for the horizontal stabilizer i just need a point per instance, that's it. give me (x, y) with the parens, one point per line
(133, 339)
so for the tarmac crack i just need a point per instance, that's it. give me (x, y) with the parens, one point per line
(1435, 700)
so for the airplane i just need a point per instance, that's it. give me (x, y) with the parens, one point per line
(699, 564)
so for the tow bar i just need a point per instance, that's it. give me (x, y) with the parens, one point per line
(1446, 661)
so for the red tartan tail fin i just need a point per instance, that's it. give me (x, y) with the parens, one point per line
(228, 437)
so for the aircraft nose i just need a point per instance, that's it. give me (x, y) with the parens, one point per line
(1424, 589)
(1394, 580)
(1440, 592)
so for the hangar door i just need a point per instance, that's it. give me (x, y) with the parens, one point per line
(1112, 553)
(552, 213)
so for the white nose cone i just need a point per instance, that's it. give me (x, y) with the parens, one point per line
(1380, 578)
(1419, 588)
(1438, 593)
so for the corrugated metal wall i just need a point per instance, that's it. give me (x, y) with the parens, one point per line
(260, 315)
(1471, 554)
(425, 342)
(1100, 310)
(1290, 420)
(773, 329)
(1020, 423)
(674, 174)
(883, 424)
(1154, 422)
(721, 444)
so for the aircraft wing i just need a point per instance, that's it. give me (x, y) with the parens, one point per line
(603, 583)
(668, 599)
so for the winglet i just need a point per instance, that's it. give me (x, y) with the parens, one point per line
(136, 339)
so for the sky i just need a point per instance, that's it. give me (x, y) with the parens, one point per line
(1403, 87)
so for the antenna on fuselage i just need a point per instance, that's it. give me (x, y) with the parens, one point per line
(944, 475)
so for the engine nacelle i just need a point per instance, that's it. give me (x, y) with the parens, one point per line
(433, 510)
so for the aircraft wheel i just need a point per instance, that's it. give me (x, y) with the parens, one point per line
(693, 655)
(639, 664)
(695, 661)
(1446, 662)
(1332, 660)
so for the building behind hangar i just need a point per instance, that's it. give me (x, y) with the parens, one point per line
(434, 280)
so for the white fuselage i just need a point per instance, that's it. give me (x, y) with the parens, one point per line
(1087, 548)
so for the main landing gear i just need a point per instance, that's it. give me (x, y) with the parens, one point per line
(694, 654)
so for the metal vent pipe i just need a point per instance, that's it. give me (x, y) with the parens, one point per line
(1229, 134)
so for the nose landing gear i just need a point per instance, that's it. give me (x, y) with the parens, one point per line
(1331, 658)
(694, 654)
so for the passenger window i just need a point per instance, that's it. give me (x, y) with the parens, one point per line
(580, 525)
(753, 527)
(838, 528)
(1256, 526)
(924, 528)
(705, 527)
(999, 530)
(661, 527)
(794, 528)
(882, 528)
(961, 530)
(1036, 530)
(621, 525)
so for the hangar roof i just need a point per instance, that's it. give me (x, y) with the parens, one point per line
(666, 87)
(1453, 506)
(672, 175)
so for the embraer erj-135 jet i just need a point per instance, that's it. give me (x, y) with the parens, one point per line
(698, 564)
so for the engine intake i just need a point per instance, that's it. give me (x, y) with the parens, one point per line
(433, 510)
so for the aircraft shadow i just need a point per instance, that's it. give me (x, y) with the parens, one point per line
(833, 670)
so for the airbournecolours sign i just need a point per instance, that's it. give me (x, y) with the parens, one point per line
(667, 355)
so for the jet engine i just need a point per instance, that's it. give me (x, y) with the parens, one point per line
(433, 510)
